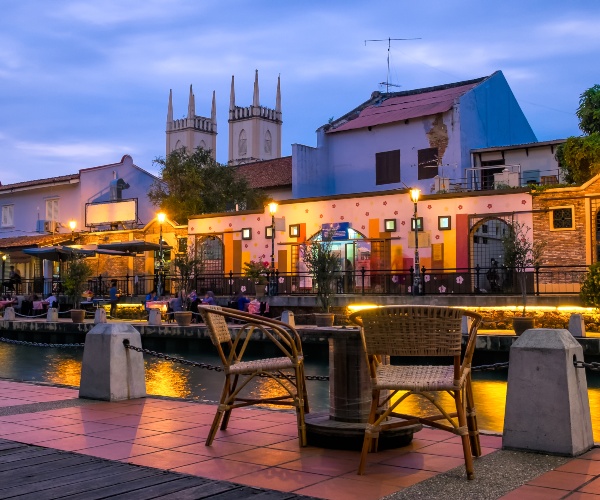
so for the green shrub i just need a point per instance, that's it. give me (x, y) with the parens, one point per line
(590, 289)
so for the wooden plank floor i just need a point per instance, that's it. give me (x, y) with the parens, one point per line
(28, 471)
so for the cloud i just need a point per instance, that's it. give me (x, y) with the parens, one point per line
(80, 150)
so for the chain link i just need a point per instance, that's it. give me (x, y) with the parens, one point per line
(594, 366)
(489, 368)
(39, 344)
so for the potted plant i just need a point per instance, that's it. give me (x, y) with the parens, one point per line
(323, 265)
(75, 282)
(257, 271)
(187, 264)
(521, 254)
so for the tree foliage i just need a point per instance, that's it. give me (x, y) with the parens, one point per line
(187, 265)
(579, 158)
(75, 278)
(193, 184)
(323, 265)
(590, 289)
(588, 111)
(521, 253)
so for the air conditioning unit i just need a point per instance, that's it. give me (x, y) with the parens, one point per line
(47, 226)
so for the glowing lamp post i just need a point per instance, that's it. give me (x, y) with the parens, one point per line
(72, 226)
(414, 196)
(159, 285)
(3, 268)
(272, 280)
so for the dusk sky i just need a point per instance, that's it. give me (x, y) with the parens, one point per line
(84, 82)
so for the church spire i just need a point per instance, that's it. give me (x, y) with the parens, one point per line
(232, 96)
(170, 108)
(213, 112)
(191, 105)
(278, 97)
(255, 100)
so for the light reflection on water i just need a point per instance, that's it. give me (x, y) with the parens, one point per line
(164, 378)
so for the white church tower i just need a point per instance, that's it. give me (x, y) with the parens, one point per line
(193, 131)
(254, 131)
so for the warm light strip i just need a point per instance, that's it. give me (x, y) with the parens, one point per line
(359, 307)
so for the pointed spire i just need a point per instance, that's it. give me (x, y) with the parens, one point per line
(232, 96)
(278, 97)
(191, 105)
(213, 112)
(170, 108)
(255, 100)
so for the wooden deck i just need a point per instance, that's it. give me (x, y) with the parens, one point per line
(28, 471)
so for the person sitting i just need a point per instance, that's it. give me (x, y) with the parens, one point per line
(51, 299)
(151, 297)
(254, 307)
(194, 302)
(209, 299)
(242, 302)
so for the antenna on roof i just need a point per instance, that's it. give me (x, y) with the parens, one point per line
(389, 41)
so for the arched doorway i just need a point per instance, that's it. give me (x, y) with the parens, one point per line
(210, 252)
(486, 251)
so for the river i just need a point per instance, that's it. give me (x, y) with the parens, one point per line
(165, 378)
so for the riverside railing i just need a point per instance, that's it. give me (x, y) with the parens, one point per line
(542, 280)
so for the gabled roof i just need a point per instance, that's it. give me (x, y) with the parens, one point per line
(526, 145)
(267, 174)
(394, 107)
(18, 186)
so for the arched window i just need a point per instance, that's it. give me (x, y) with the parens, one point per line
(268, 142)
(242, 144)
(203, 145)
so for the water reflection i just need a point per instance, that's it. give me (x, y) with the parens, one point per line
(164, 378)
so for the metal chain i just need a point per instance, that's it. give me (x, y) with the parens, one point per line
(38, 344)
(594, 366)
(489, 368)
(207, 366)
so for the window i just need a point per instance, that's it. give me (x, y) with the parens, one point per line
(268, 141)
(269, 232)
(182, 245)
(242, 144)
(428, 163)
(247, 233)
(444, 223)
(561, 218)
(389, 225)
(52, 209)
(294, 230)
(387, 167)
(419, 223)
(8, 215)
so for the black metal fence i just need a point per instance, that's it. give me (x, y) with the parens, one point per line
(542, 280)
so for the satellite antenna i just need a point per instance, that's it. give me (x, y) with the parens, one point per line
(389, 41)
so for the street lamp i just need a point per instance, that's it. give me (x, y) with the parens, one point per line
(161, 219)
(72, 225)
(272, 282)
(414, 196)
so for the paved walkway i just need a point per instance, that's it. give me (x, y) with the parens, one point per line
(260, 450)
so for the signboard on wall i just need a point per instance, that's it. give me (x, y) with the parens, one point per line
(340, 230)
(110, 212)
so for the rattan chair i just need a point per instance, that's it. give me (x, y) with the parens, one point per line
(424, 331)
(287, 370)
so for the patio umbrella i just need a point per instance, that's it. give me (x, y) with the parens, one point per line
(134, 246)
(57, 253)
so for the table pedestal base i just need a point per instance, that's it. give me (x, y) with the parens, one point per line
(324, 432)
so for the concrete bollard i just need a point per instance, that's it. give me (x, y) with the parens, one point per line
(577, 325)
(100, 316)
(109, 371)
(52, 315)
(547, 406)
(288, 317)
(9, 314)
(154, 317)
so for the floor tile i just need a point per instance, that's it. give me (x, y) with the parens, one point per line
(421, 461)
(592, 487)
(124, 433)
(321, 465)
(581, 466)
(280, 479)
(265, 456)
(221, 449)
(37, 436)
(348, 489)
(219, 469)
(560, 480)
(527, 492)
(118, 451)
(9, 428)
(166, 459)
(166, 425)
(166, 440)
(593, 454)
(254, 438)
(397, 476)
(75, 443)
(583, 496)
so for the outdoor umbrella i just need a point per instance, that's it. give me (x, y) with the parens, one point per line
(58, 253)
(134, 246)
